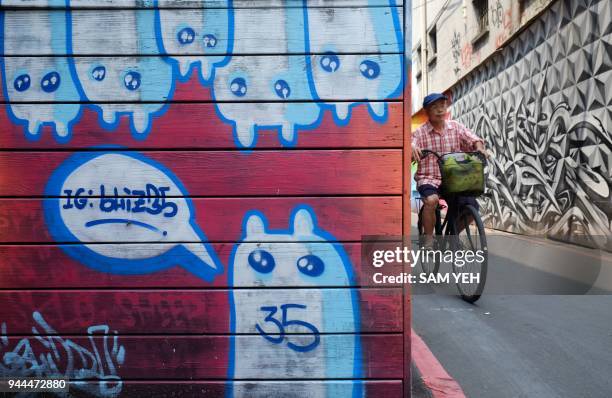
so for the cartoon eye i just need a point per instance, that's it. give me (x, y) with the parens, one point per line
(310, 265)
(98, 73)
(50, 82)
(282, 89)
(22, 82)
(185, 36)
(330, 62)
(261, 261)
(369, 69)
(239, 87)
(132, 80)
(209, 41)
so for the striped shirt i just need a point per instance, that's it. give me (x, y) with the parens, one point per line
(455, 137)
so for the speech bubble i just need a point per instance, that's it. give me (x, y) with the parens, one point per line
(124, 197)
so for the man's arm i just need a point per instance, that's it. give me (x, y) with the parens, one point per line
(416, 146)
(471, 140)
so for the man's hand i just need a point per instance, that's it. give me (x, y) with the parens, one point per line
(480, 148)
(416, 153)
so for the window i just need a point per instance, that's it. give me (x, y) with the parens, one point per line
(525, 5)
(482, 15)
(481, 8)
(433, 44)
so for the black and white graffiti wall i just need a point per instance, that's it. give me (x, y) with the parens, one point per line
(544, 106)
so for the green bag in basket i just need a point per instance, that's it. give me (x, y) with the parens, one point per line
(462, 174)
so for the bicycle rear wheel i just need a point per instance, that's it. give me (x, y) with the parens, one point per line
(472, 237)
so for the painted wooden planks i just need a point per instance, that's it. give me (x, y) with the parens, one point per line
(176, 112)
(206, 357)
(155, 76)
(344, 218)
(48, 267)
(199, 123)
(234, 31)
(211, 389)
(194, 311)
(187, 126)
(225, 173)
(131, 4)
(244, 120)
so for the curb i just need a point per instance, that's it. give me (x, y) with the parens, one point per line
(429, 379)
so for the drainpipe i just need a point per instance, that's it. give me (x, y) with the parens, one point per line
(424, 52)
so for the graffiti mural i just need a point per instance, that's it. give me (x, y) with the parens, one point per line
(103, 203)
(139, 86)
(195, 37)
(278, 79)
(142, 83)
(541, 104)
(47, 354)
(290, 326)
(369, 77)
(198, 175)
(51, 81)
(456, 51)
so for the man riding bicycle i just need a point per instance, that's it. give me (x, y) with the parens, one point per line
(441, 136)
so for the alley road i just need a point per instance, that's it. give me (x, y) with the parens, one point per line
(533, 333)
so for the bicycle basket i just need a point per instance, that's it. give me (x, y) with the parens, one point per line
(462, 174)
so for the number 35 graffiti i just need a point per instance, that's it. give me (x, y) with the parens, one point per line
(277, 338)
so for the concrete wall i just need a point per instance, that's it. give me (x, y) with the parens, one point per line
(179, 180)
(544, 107)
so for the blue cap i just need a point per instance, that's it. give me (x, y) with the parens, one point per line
(433, 97)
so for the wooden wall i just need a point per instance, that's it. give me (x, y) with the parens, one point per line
(184, 186)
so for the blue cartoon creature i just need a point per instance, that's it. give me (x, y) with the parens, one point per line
(287, 323)
(260, 91)
(372, 76)
(134, 85)
(191, 37)
(48, 80)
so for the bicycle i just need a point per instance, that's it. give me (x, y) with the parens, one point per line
(448, 235)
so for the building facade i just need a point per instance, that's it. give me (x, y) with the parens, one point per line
(531, 78)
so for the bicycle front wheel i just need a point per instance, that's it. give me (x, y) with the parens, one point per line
(469, 235)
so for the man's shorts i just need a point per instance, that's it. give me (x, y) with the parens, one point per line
(426, 190)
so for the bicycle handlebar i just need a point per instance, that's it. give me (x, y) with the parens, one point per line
(427, 152)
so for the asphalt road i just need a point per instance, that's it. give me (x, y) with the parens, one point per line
(533, 333)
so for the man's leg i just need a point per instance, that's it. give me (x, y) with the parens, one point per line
(431, 198)
(462, 201)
